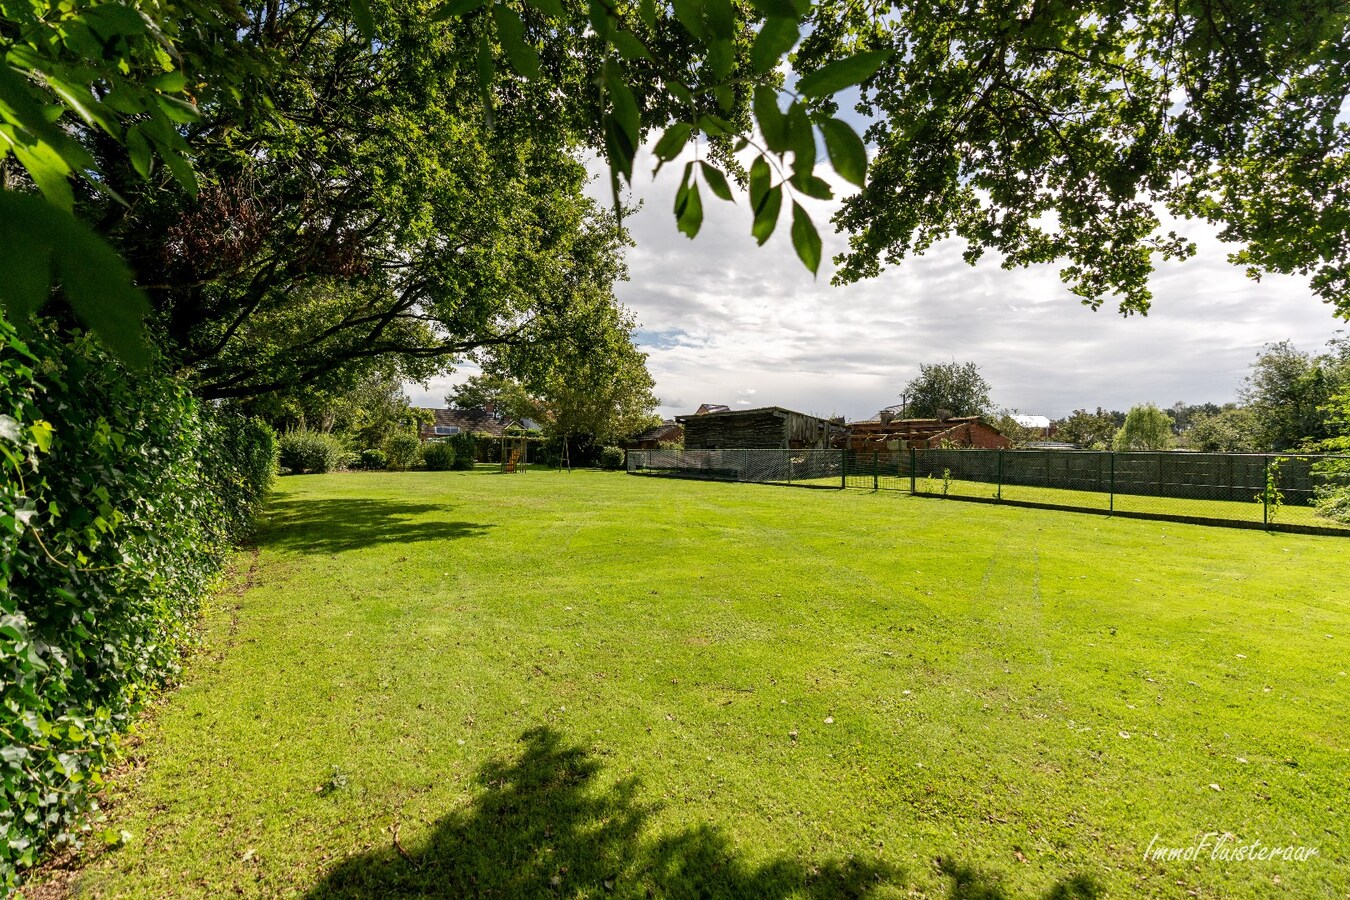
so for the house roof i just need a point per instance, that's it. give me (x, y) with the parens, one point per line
(760, 409)
(707, 408)
(671, 432)
(914, 429)
(474, 421)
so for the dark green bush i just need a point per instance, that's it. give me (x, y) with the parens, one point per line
(373, 459)
(119, 501)
(241, 469)
(403, 450)
(313, 452)
(438, 455)
(466, 450)
(611, 458)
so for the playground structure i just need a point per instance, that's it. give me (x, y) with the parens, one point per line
(515, 450)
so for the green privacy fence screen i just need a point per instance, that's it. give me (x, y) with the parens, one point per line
(1274, 491)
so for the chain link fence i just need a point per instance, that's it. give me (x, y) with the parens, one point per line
(1275, 491)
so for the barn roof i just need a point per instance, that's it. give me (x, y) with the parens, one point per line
(759, 409)
(667, 431)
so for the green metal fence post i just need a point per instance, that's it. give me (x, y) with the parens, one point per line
(1111, 503)
(1265, 493)
(843, 468)
(788, 454)
(999, 494)
(911, 470)
(876, 479)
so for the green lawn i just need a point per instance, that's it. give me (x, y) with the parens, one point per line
(600, 685)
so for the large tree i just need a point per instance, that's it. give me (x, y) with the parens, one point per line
(952, 389)
(1047, 131)
(1089, 430)
(1289, 390)
(1146, 428)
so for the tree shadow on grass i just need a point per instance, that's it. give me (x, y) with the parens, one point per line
(540, 830)
(331, 526)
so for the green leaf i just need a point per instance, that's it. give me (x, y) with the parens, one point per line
(487, 68)
(170, 82)
(624, 106)
(93, 278)
(672, 142)
(717, 182)
(511, 32)
(180, 111)
(766, 217)
(760, 176)
(848, 153)
(365, 23)
(139, 148)
(721, 18)
(689, 218)
(812, 186)
(801, 136)
(552, 8)
(629, 47)
(772, 122)
(456, 8)
(690, 15)
(776, 37)
(805, 238)
(843, 73)
(647, 12)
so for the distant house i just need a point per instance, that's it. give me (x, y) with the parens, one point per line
(670, 432)
(480, 420)
(706, 408)
(889, 433)
(1039, 424)
(752, 429)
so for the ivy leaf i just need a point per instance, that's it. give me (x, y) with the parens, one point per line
(843, 73)
(848, 153)
(511, 32)
(717, 182)
(776, 37)
(805, 238)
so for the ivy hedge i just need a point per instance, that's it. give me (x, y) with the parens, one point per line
(120, 501)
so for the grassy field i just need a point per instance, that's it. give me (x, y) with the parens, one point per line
(598, 685)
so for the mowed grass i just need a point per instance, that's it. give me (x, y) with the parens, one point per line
(600, 685)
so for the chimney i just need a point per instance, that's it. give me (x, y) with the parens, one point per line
(886, 416)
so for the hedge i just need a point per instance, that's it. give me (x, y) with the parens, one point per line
(120, 500)
(310, 452)
(438, 456)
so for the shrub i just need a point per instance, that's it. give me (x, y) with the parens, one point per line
(241, 469)
(107, 543)
(438, 455)
(314, 452)
(466, 450)
(373, 459)
(403, 451)
(611, 458)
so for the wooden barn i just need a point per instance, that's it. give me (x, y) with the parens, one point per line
(754, 429)
(886, 433)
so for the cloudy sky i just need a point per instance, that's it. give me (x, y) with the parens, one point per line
(724, 321)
